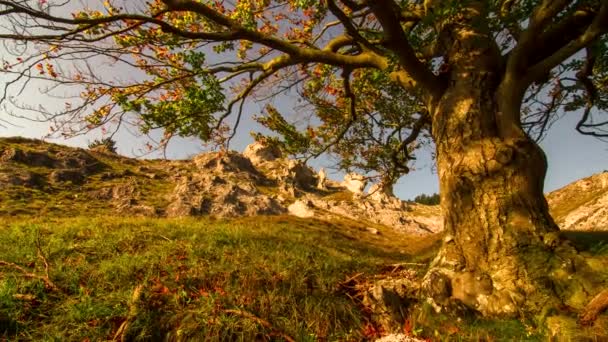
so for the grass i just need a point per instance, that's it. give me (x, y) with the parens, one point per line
(248, 279)
(197, 279)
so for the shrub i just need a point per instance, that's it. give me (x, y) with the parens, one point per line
(106, 144)
(427, 199)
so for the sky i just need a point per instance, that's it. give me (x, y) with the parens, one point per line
(571, 156)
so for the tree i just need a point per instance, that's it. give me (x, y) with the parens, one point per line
(427, 199)
(106, 144)
(484, 78)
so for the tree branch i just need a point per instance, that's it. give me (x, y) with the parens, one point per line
(598, 27)
(541, 16)
(387, 12)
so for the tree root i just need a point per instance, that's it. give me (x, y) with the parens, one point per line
(261, 322)
(598, 304)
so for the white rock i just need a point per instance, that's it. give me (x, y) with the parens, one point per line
(398, 338)
(321, 179)
(354, 183)
(259, 152)
(300, 208)
(372, 230)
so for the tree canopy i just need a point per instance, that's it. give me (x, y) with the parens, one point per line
(368, 70)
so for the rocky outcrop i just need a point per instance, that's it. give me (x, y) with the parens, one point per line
(210, 194)
(222, 184)
(582, 205)
(354, 183)
(258, 153)
(395, 213)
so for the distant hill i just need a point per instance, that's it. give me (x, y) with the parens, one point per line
(582, 205)
(39, 178)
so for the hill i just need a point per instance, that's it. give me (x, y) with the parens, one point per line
(41, 179)
(582, 205)
(225, 247)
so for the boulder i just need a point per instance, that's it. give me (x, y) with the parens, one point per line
(354, 183)
(259, 152)
(302, 208)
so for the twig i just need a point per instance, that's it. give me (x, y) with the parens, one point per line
(261, 322)
(47, 282)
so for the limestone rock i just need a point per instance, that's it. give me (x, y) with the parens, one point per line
(226, 162)
(387, 298)
(31, 158)
(373, 231)
(354, 183)
(398, 338)
(382, 195)
(19, 178)
(394, 214)
(582, 205)
(300, 175)
(208, 194)
(322, 179)
(259, 152)
(301, 208)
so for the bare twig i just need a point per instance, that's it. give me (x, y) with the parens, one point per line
(27, 274)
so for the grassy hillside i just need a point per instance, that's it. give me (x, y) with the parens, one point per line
(75, 265)
(144, 279)
(265, 278)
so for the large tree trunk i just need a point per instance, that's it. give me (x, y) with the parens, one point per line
(498, 232)
(501, 254)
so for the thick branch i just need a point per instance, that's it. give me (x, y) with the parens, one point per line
(387, 13)
(541, 17)
(598, 27)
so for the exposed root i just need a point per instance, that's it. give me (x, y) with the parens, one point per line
(261, 322)
(597, 305)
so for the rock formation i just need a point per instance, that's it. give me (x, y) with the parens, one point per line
(582, 205)
(37, 176)
(354, 183)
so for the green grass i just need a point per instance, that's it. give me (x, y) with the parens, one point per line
(249, 279)
(191, 273)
